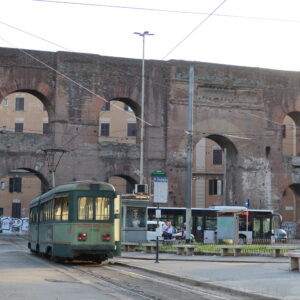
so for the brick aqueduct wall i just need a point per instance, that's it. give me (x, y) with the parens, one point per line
(240, 108)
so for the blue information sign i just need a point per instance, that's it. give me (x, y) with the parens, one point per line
(247, 203)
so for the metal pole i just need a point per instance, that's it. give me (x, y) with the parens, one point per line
(142, 116)
(224, 177)
(157, 243)
(53, 179)
(142, 107)
(189, 155)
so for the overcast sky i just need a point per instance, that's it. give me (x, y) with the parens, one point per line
(257, 33)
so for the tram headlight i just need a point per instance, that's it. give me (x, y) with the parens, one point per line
(105, 237)
(82, 237)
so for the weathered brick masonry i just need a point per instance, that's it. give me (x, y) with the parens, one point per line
(240, 108)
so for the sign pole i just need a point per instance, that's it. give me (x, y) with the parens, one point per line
(160, 195)
(157, 242)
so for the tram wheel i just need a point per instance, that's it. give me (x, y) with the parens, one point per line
(99, 259)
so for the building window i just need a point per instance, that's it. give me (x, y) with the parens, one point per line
(45, 128)
(105, 129)
(19, 127)
(15, 185)
(1, 212)
(5, 102)
(217, 157)
(268, 151)
(131, 129)
(106, 106)
(16, 210)
(283, 128)
(19, 104)
(215, 187)
(127, 108)
(2, 185)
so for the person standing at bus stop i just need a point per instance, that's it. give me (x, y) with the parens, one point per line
(169, 231)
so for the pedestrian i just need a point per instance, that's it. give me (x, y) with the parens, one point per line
(183, 230)
(170, 230)
(164, 229)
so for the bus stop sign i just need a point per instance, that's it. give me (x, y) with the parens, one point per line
(247, 203)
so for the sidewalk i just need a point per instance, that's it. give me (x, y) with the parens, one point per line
(256, 275)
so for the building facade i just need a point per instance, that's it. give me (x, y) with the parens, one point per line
(241, 109)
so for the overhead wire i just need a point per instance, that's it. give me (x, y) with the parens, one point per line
(171, 11)
(194, 29)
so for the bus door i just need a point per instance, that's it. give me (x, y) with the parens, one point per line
(210, 229)
(262, 227)
(197, 228)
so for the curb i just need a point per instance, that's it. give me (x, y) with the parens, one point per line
(206, 285)
(208, 260)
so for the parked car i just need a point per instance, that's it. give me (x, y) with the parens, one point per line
(280, 235)
(152, 230)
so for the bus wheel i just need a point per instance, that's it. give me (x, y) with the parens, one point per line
(242, 240)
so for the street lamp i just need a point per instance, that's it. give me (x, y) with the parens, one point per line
(143, 34)
(52, 162)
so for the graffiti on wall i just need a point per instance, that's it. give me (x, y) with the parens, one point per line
(14, 225)
(290, 228)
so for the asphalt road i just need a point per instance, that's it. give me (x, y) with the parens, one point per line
(27, 276)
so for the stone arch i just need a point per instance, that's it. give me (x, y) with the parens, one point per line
(290, 210)
(122, 126)
(291, 134)
(34, 86)
(134, 105)
(37, 111)
(218, 178)
(18, 188)
(123, 183)
(40, 176)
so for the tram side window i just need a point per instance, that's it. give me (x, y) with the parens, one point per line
(102, 208)
(85, 208)
(32, 215)
(61, 209)
(65, 209)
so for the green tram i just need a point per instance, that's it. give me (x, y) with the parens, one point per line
(79, 220)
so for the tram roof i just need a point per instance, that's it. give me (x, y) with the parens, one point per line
(77, 185)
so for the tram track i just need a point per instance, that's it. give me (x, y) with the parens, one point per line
(137, 282)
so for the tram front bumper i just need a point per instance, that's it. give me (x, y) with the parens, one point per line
(72, 251)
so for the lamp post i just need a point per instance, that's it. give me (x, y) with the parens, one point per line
(143, 34)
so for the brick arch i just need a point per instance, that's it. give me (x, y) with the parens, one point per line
(30, 82)
(129, 179)
(40, 176)
(290, 210)
(230, 181)
(133, 104)
(33, 163)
